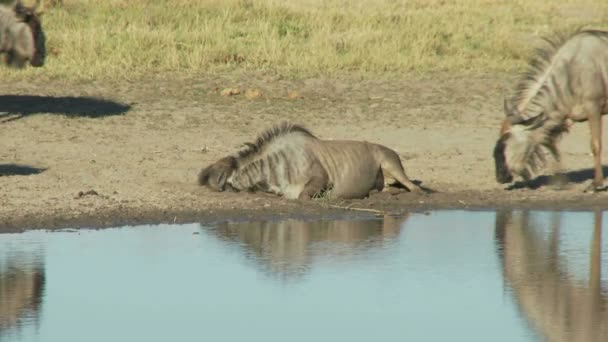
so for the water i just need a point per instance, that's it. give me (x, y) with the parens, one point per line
(448, 276)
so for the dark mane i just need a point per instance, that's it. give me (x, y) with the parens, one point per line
(269, 135)
(532, 82)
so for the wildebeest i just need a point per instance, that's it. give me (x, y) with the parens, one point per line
(567, 81)
(290, 161)
(21, 35)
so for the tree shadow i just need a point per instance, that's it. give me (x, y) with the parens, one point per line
(13, 107)
(578, 176)
(19, 170)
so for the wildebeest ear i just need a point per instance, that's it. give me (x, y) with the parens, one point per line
(233, 163)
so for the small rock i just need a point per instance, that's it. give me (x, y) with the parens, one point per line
(230, 92)
(81, 194)
(294, 95)
(252, 93)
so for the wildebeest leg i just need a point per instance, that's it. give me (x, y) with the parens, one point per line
(595, 125)
(392, 167)
(384, 184)
(316, 183)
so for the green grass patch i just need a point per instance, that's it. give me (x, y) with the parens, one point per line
(119, 39)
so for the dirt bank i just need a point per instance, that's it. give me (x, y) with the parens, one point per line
(99, 154)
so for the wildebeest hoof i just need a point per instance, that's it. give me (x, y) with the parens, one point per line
(516, 186)
(393, 190)
(416, 190)
(591, 188)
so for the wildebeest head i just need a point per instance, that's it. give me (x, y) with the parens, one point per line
(216, 175)
(31, 17)
(514, 153)
(520, 153)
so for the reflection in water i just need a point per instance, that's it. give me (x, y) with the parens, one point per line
(557, 304)
(431, 278)
(288, 248)
(22, 280)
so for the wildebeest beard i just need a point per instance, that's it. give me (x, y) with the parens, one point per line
(503, 175)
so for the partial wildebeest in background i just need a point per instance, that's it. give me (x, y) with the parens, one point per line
(21, 35)
(288, 160)
(567, 81)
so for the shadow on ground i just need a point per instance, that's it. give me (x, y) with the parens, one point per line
(578, 176)
(19, 170)
(13, 107)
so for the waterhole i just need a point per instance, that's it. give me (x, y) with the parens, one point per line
(509, 275)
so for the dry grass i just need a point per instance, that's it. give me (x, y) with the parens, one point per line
(117, 39)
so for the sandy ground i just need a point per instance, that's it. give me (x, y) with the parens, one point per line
(101, 154)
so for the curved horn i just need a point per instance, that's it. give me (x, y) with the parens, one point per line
(515, 119)
(512, 114)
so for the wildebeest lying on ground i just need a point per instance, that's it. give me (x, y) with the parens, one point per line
(567, 81)
(21, 35)
(290, 161)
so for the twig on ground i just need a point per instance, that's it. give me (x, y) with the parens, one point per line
(358, 209)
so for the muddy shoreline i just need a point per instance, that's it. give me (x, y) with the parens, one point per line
(375, 206)
(95, 154)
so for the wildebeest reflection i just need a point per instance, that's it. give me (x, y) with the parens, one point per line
(289, 248)
(558, 306)
(21, 290)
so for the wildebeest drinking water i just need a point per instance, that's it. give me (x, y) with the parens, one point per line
(290, 161)
(21, 35)
(567, 81)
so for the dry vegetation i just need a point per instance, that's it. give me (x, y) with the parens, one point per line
(116, 39)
